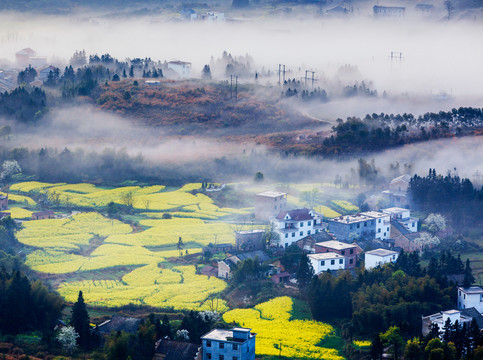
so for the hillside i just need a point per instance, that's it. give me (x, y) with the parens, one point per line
(196, 107)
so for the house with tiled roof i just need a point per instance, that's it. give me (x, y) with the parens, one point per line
(296, 224)
(167, 349)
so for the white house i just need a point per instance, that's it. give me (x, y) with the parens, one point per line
(182, 68)
(383, 224)
(440, 319)
(326, 261)
(235, 344)
(403, 216)
(44, 71)
(378, 257)
(294, 225)
(470, 297)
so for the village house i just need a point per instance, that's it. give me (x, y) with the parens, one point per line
(470, 297)
(227, 265)
(3, 202)
(181, 68)
(7, 82)
(218, 248)
(379, 257)
(294, 225)
(42, 215)
(402, 217)
(281, 278)
(388, 11)
(22, 57)
(408, 241)
(44, 71)
(463, 317)
(249, 240)
(235, 344)
(209, 271)
(349, 251)
(166, 349)
(307, 243)
(397, 194)
(268, 204)
(366, 225)
(116, 324)
(327, 261)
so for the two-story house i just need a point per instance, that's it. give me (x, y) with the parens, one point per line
(348, 251)
(235, 344)
(327, 261)
(402, 217)
(470, 297)
(397, 193)
(294, 225)
(368, 225)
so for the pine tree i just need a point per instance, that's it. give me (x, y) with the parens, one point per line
(80, 321)
(469, 279)
(305, 273)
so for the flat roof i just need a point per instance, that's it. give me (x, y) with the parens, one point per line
(451, 312)
(351, 219)
(382, 252)
(226, 335)
(392, 210)
(325, 256)
(333, 244)
(250, 231)
(472, 290)
(269, 193)
(374, 214)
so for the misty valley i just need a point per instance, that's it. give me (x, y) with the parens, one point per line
(241, 180)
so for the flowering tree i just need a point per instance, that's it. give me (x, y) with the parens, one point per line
(182, 335)
(68, 338)
(426, 240)
(9, 168)
(435, 222)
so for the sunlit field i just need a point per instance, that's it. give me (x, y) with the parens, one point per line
(297, 338)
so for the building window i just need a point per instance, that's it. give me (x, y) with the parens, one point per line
(351, 261)
(379, 221)
(379, 230)
(332, 262)
(413, 224)
(301, 233)
(293, 234)
(358, 226)
(302, 224)
(350, 227)
(208, 343)
(342, 252)
(365, 224)
(308, 223)
(316, 231)
(341, 261)
(235, 346)
(322, 262)
(351, 251)
(394, 257)
(275, 207)
(308, 232)
(464, 296)
(208, 356)
(387, 229)
(222, 345)
(286, 245)
(286, 235)
(384, 234)
(221, 357)
(235, 358)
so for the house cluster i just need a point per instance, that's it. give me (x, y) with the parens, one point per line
(209, 16)
(469, 308)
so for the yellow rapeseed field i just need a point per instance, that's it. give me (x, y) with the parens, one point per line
(346, 205)
(271, 321)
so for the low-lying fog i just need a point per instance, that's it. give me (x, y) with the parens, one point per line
(441, 68)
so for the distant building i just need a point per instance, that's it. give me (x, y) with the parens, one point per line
(424, 9)
(227, 265)
(367, 225)
(401, 217)
(209, 271)
(379, 257)
(37, 61)
(281, 278)
(153, 83)
(235, 344)
(327, 261)
(407, 241)
(44, 71)
(249, 240)
(349, 251)
(307, 243)
(268, 204)
(294, 225)
(3, 202)
(462, 317)
(218, 248)
(22, 57)
(182, 68)
(119, 323)
(166, 349)
(42, 215)
(397, 193)
(470, 297)
(389, 11)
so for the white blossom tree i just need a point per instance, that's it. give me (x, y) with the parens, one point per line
(67, 337)
(209, 316)
(435, 222)
(9, 168)
(426, 240)
(182, 335)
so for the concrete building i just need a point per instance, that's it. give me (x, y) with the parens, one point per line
(378, 257)
(249, 240)
(296, 224)
(389, 11)
(226, 266)
(268, 204)
(463, 317)
(327, 261)
(470, 297)
(397, 193)
(403, 217)
(235, 344)
(22, 57)
(349, 251)
(366, 225)
(42, 215)
(182, 68)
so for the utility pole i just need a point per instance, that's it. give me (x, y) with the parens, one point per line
(284, 74)
(313, 79)
(396, 55)
(236, 88)
(279, 66)
(231, 86)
